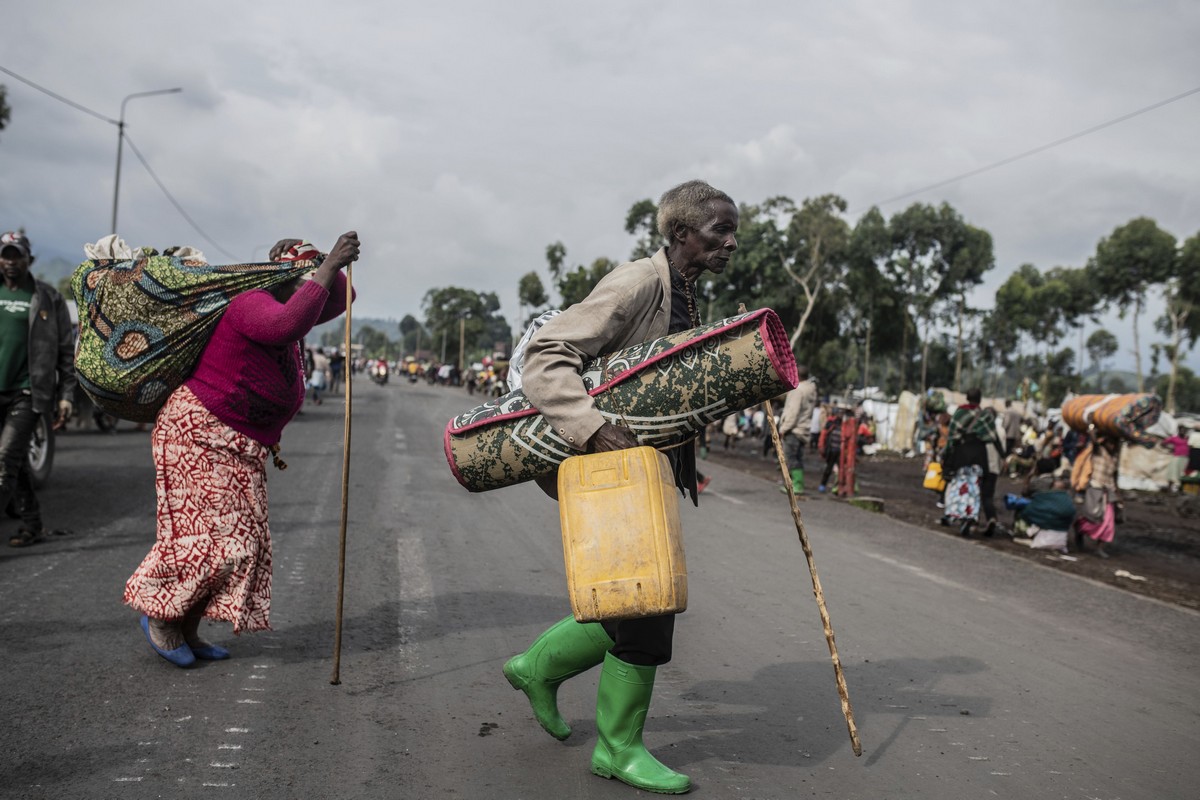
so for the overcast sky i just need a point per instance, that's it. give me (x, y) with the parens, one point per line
(460, 138)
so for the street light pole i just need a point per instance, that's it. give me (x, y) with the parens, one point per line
(121, 143)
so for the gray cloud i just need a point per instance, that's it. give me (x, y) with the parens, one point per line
(460, 138)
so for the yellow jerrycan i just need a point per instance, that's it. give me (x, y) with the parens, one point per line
(621, 536)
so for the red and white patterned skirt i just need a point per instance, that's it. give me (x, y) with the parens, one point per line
(213, 544)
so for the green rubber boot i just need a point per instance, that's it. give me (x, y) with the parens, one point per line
(566, 649)
(621, 706)
(797, 483)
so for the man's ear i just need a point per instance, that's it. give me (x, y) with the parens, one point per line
(679, 232)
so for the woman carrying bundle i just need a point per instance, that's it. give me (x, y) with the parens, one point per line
(1094, 479)
(212, 557)
(971, 460)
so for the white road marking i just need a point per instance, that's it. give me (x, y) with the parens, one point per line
(415, 586)
(127, 780)
(416, 592)
(251, 702)
(237, 730)
(920, 573)
(725, 497)
(229, 747)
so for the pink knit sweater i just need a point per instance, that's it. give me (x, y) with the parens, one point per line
(251, 374)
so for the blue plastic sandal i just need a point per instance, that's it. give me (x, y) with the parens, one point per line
(210, 652)
(181, 656)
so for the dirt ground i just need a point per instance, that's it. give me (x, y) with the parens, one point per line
(1156, 552)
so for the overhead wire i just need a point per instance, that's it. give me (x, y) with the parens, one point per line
(175, 202)
(59, 97)
(1040, 148)
(132, 147)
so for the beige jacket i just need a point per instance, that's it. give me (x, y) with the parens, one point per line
(798, 409)
(630, 305)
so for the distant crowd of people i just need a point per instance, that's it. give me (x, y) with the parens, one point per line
(1068, 478)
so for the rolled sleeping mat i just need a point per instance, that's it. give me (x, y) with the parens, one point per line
(665, 391)
(1126, 416)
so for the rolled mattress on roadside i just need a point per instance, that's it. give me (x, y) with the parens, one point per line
(665, 391)
(1127, 416)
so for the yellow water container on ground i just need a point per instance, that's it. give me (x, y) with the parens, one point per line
(622, 541)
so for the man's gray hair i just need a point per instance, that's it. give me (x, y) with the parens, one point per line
(687, 203)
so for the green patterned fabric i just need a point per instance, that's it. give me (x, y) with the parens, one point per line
(664, 390)
(143, 324)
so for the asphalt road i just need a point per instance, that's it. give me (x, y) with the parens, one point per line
(972, 674)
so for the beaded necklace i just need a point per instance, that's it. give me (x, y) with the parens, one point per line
(689, 291)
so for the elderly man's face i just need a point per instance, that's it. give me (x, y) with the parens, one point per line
(710, 246)
(14, 264)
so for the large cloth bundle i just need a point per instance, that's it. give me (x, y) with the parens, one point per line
(665, 391)
(1127, 416)
(143, 323)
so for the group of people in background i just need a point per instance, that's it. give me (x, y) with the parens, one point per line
(836, 432)
(1069, 478)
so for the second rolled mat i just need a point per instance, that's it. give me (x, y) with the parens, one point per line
(666, 391)
(1126, 416)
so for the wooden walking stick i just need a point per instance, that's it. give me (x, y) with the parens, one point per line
(843, 693)
(335, 679)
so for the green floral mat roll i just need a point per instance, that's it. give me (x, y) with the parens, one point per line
(666, 391)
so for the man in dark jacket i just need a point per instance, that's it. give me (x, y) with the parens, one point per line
(37, 372)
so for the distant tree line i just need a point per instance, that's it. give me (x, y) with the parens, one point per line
(884, 302)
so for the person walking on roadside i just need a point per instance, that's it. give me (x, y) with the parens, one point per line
(793, 426)
(1094, 479)
(37, 375)
(320, 374)
(830, 445)
(1012, 428)
(1177, 446)
(636, 302)
(730, 429)
(972, 457)
(212, 556)
(814, 428)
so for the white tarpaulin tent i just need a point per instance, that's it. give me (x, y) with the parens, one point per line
(1144, 469)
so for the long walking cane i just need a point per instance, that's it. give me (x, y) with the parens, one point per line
(843, 693)
(335, 679)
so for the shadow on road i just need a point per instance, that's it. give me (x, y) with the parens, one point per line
(787, 713)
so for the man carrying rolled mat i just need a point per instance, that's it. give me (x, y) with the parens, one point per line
(637, 302)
